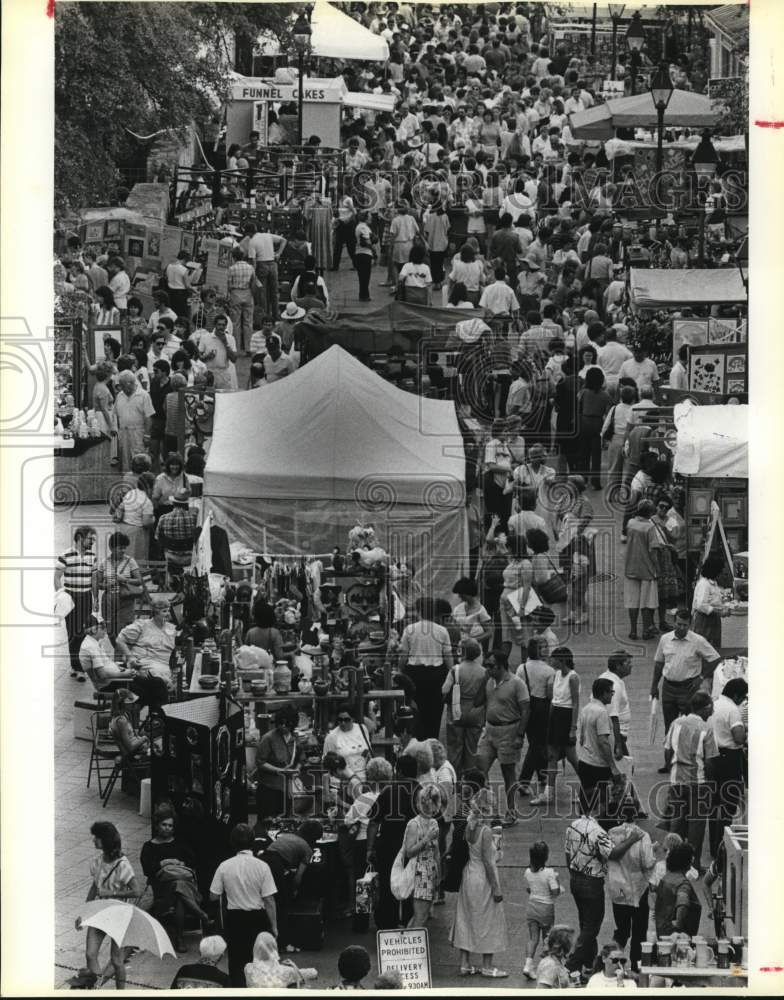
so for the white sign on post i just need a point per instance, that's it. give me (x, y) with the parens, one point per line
(408, 953)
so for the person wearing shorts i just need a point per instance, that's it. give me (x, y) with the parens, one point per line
(543, 889)
(562, 724)
(507, 709)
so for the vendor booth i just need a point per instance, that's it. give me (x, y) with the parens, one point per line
(300, 461)
(670, 288)
(711, 454)
(685, 109)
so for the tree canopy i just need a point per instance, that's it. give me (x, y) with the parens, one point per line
(143, 67)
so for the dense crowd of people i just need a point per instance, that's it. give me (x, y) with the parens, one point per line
(474, 195)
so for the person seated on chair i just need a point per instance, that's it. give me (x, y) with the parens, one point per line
(121, 727)
(204, 974)
(147, 645)
(169, 865)
(96, 655)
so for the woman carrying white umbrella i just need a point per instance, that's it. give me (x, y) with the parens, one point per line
(113, 879)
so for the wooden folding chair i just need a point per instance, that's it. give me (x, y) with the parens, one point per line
(103, 752)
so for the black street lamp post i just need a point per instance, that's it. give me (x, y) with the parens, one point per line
(301, 34)
(635, 39)
(704, 160)
(661, 91)
(616, 12)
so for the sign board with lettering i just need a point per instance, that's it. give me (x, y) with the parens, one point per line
(406, 952)
(252, 89)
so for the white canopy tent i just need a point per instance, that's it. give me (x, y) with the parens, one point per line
(297, 463)
(338, 36)
(666, 288)
(712, 441)
(335, 35)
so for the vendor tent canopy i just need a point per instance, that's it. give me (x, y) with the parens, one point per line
(712, 441)
(120, 213)
(638, 111)
(298, 462)
(334, 35)
(400, 324)
(338, 36)
(661, 288)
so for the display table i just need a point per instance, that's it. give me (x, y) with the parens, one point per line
(85, 472)
(687, 974)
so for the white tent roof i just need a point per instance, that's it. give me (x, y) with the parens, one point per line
(664, 288)
(328, 427)
(338, 36)
(712, 440)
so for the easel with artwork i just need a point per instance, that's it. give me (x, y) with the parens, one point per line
(719, 368)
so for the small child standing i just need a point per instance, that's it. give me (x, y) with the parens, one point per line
(543, 889)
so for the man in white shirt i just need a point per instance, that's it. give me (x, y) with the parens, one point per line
(119, 282)
(729, 733)
(218, 350)
(610, 356)
(264, 250)
(684, 661)
(425, 656)
(277, 364)
(162, 308)
(679, 377)
(574, 103)
(249, 888)
(498, 299)
(641, 369)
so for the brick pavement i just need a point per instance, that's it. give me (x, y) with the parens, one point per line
(76, 807)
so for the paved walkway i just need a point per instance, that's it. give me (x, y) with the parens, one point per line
(77, 806)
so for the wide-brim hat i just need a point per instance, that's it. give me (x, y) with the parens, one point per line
(532, 263)
(181, 497)
(415, 142)
(292, 311)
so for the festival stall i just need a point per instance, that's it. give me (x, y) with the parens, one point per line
(711, 454)
(301, 461)
(718, 358)
(685, 109)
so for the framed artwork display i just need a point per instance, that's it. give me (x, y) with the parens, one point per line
(735, 540)
(99, 335)
(693, 332)
(733, 510)
(113, 227)
(719, 368)
(93, 232)
(696, 536)
(699, 503)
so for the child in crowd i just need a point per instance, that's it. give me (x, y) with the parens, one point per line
(543, 889)
(353, 966)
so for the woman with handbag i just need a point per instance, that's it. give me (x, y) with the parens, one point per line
(479, 925)
(388, 818)
(538, 676)
(120, 579)
(464, 720)
(169, 866)
(135, 513)
(420, 842)
(548, 581)
(669, 580)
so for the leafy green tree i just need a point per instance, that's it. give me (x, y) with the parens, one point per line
(143, 67)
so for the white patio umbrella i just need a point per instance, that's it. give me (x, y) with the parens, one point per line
(128, 926)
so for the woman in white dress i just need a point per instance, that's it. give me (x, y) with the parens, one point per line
(479, 925)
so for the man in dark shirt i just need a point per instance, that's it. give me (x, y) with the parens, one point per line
(505, 245)
(160, 387)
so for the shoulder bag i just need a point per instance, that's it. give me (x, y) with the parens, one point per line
(128, 586)
(553, 591)
(401, 878)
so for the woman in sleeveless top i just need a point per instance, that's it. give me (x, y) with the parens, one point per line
(562, 724)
